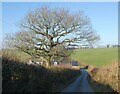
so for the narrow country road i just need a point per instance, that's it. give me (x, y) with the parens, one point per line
(80, 84)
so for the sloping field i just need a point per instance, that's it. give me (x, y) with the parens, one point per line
(13, 53)
(96, 56)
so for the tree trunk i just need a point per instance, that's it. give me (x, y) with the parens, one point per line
(49, 60)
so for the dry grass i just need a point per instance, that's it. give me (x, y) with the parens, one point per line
(106, 75)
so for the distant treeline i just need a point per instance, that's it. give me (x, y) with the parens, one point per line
(87, 47)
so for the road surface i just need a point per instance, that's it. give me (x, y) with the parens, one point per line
(80, 84)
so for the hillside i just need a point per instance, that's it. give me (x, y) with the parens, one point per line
(96, 56)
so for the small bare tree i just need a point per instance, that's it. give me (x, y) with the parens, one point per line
(46, 30)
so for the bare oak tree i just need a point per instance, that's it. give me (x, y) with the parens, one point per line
(46, 30)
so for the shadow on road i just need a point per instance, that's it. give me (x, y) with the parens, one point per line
(80, 85)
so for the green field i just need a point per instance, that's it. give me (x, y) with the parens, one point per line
(17, 54)
(96, 56)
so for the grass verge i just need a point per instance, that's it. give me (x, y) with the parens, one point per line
(105, 79)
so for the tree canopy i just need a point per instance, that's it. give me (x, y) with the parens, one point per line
(48, 32)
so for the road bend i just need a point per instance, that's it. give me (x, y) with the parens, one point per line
(81, 84)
